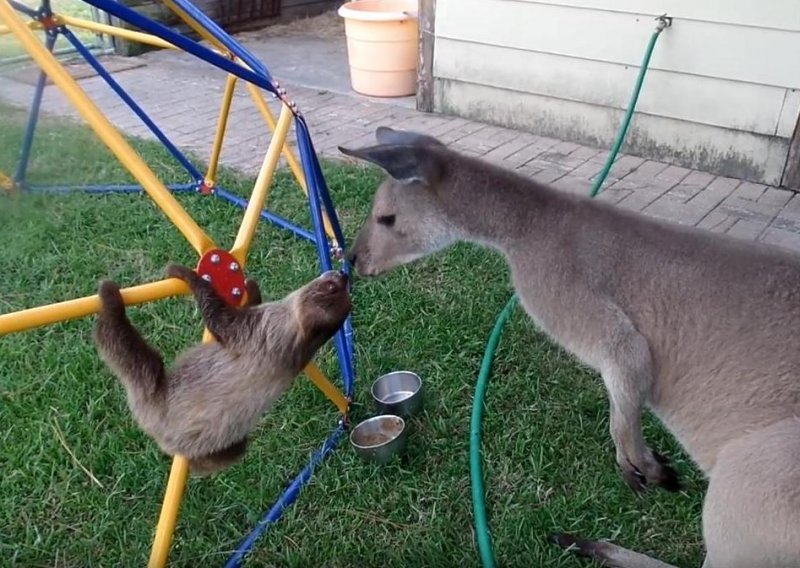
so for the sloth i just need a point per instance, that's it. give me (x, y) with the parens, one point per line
(207, 403)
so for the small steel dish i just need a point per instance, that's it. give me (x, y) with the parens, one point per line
(380, 438)
(398, 393)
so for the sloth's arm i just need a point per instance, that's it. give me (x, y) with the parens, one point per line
(224, 322)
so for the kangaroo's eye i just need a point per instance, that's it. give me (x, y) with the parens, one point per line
(387, 220)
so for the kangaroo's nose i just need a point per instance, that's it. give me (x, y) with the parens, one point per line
(351, 257)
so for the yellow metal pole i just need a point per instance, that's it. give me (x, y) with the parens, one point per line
(266, 113)
(4, 30)
(6, 182)
(248, 226)
(222, 125)
(178, 474)
(291, 159)
(323, 384)
(262, 186)
(170, 506)
(260, 103)
(81, 307)
(107, 133)
(131, 35)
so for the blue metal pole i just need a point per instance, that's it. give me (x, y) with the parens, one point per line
(322, 189)
(344, 340)
(128, 100)
(343, 351)
(266, 215)
(313, 197)
(184, 43)
(30, 12)
(347, 329)
(223, 37)
(33, 118)
(286, 499)
(319, 178)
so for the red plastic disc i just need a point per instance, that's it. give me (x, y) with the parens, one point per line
(223, 272)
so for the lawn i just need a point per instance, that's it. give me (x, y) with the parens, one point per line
(549, 459)
(10, 47)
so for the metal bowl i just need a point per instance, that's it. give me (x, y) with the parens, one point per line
(398, 393)
(380, 438)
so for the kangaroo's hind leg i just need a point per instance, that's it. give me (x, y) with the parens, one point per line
(751, 515)
(607, 553)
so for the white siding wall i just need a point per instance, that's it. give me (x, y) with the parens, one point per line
(722, 92)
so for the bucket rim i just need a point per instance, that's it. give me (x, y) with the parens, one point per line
(347, 12)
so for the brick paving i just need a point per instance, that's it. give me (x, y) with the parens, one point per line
(183, 98)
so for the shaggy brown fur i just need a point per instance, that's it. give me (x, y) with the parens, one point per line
(207, 404)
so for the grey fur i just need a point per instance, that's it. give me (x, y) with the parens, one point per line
(698, 327)
(214, 395)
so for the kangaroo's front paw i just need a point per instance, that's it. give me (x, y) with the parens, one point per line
(664, 475)
(654, 471)
(633, 478)
(181, 272)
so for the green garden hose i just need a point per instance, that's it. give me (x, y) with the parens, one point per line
(663, 22)
(483, 536)
(475, 469)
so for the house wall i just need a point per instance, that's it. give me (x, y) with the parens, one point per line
(209, 7)
(722, 92)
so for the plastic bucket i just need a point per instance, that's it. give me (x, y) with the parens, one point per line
(382, 46)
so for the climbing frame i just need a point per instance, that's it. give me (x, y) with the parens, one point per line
(225, 269)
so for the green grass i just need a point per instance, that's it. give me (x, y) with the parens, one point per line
(10, 47)
(549, 459)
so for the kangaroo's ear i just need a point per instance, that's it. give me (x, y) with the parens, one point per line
(405, 163)
(386, 135)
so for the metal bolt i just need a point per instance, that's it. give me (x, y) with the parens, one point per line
(206, 277)
(214, 259)
(236, 292)
(234, 267)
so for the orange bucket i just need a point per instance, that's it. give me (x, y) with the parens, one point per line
(382, 46)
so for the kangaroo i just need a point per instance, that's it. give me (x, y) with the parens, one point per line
(696, 326)
(212, 398)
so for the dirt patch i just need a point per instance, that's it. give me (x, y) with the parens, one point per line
(327, 25)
